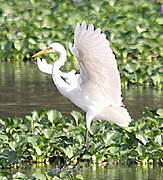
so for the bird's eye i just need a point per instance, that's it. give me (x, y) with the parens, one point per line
(50, 48)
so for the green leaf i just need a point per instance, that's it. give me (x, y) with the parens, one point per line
(79, 177)
(13, 145)
(160, 112)
(48, 133)
(56, 178)
(38, 150)
(76, 115)
(158, 139)
(113, 149)
(108, 137)
(3, 178)
(33, 140)
(19, 175)
(142, 138)
(139, 149)
(66, 173)
(18, 45)
(53, 115)
(68, 151)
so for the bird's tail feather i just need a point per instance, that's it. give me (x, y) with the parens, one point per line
(118, 115)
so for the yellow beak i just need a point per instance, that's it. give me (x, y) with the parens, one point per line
(41, 52)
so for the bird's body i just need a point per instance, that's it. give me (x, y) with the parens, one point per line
(97, 89)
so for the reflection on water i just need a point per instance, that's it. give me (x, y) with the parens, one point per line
(24, 89)
(122, 173)
(97, 172)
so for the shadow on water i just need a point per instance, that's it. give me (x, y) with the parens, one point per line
(24, 89)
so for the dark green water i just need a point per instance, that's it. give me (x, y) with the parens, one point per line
(97, 172)
(122, 173)
(24, 89)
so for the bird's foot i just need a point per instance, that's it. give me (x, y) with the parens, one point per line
(80, 155)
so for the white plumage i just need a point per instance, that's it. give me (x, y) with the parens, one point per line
(97, 89)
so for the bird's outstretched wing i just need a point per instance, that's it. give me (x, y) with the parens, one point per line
(98, 66)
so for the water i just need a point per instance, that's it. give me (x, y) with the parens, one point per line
(24, 89)
(100, 172)
(122, 173)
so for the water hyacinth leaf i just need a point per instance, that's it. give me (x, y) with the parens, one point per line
(79, 177)
(68, 151)
(10, 36)
(140, 29)
(53, 115)
(31, 41)
(4, 137)
(80, 138)
(130, 34)
(38, 150)
(33, 141)
(160, 112)
(35, 115)
(156, 78)
(113, 149)
(51, 173)
(76, 115)
(94, 158)
(56, 178)
(13, 145)
(108, 137)
(111, 143)
(129, 68)
(3, 177)
(39, 176)
(142, 138)
(158, 139)
(18, 44)
(48, 133)
(19, 175)
(139, 149)
(66, 173)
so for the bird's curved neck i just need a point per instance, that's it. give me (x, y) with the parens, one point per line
(62, 58)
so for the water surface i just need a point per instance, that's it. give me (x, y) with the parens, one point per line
(101, 172)
(122, 173)
(23, 88)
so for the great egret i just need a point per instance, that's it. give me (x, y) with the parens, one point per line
(97, 89)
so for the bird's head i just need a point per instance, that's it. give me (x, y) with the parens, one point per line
(54, 47)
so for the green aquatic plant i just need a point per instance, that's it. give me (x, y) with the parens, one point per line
(133, 27)
(49, 137)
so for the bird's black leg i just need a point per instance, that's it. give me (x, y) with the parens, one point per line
(80, 154)
(83, 150)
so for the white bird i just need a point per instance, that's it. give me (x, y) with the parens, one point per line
(97, 89)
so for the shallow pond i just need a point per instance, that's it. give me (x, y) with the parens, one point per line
(24, 89)
(97, 172)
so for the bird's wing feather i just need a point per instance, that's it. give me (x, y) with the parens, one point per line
(98, 66)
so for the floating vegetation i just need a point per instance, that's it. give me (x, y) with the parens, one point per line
(49, 137)
(133, 28)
